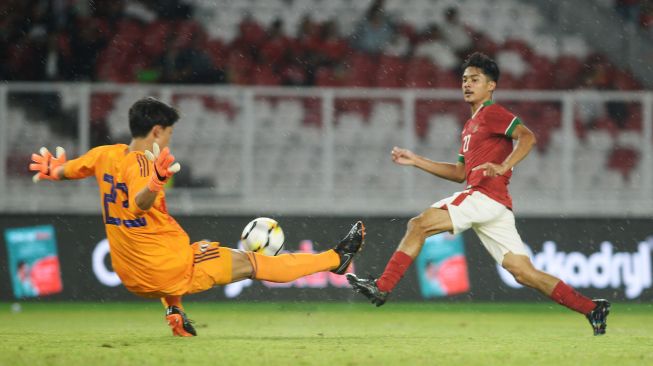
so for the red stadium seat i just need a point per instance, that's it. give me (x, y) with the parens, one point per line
(218, 52)
(359, 106)
(101, 105)
(424, 109)
(312, 111)
(240, 68)
(130, 31)
(336, 49)
(634, 118)
(606, 123)
(264, 75)
(540, 75)
(325, 77)
(568, 71)
(623, 160)
(275, 50)
(519, 46)
(623, 80)
(155, 38)
(251, 34)
(220, 105)
(188, 30)
(360, 70)
(390, 73)
(421, 73)
(448, 79)
(580, 129)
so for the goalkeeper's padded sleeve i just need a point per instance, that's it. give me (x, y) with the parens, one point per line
(46, 165)
(164, 167)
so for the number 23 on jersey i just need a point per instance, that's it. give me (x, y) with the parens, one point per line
(111, 198)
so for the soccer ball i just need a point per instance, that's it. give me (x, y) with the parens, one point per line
(263, 235)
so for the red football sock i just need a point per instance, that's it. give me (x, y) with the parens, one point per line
(567, 296)
(394, 271)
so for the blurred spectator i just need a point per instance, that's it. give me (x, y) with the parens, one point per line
(86, 43)
(110, 11)
(193, 65)
(375, 31)
(628, 9)
(645, 17)
(456, 34)
(432, 47)
(330, 47)
(65, 40)
(399, 46)
(276, 50)
(170, 9)
(164, 67)
(55, 59)
(251, 37)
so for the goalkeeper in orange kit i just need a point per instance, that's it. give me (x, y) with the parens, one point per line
(150, 252)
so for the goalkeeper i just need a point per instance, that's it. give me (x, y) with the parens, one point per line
(150, 252)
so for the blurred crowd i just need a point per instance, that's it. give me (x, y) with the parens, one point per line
(638, 12)
(160, 42)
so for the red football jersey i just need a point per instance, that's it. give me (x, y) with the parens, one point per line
(486, 138)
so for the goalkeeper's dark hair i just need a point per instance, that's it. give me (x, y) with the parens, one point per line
(149, 112)
(487, 65)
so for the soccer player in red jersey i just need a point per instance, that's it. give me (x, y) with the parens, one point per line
(485, 160)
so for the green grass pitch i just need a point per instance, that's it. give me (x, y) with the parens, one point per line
(323, 334)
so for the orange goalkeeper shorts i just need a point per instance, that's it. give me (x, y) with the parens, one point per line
(211, 266)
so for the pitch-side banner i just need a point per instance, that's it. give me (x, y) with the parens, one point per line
(609, 258)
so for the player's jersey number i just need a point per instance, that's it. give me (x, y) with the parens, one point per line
(111, 198)
(466, 140)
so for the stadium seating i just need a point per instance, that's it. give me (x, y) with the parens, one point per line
(288, 132)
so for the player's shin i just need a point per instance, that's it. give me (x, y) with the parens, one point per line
(564, 295)
(289, 267)
(394, 271)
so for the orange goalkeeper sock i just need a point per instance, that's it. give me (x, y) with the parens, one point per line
(172, 300)
(289, 267)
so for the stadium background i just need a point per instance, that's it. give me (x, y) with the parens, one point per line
(290, 109)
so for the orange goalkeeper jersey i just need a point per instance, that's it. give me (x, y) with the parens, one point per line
(149, 250)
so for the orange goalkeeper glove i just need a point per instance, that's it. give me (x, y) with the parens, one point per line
(164, 167)
(47, 165)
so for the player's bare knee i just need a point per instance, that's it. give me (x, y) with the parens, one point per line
(517, 270)
(414, 225)
(523, 274)
(241, 267)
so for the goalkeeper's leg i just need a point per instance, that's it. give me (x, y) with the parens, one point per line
(179, 323)
(289, 267)
(216, 265)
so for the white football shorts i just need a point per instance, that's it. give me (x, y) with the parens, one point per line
(493, 222)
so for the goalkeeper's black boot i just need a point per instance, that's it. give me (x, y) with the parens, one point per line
(179, 323)
(368, 288)
(599, 316)
(351, 244)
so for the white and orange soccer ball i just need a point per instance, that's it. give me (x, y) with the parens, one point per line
(263, 235)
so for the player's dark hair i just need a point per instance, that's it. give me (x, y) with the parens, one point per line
(149, 112)
(487, 65)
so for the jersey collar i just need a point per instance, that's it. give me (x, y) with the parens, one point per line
(485, 104)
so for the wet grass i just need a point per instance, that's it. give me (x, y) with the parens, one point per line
(323, 334)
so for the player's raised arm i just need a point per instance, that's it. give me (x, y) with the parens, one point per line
(450, 171)
(164, 168)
